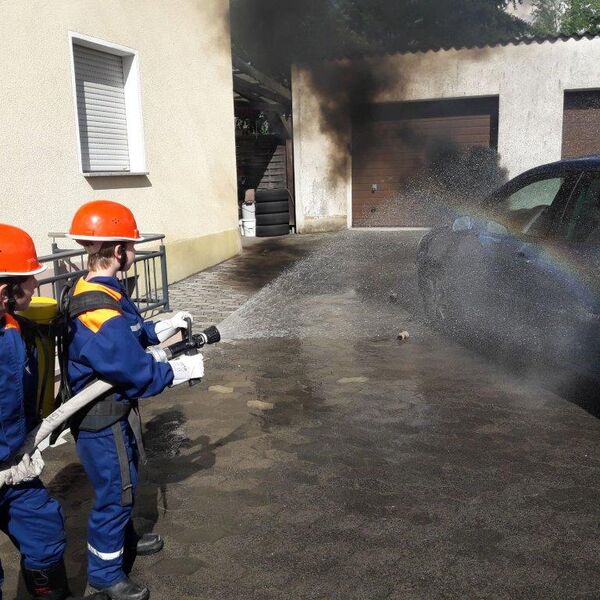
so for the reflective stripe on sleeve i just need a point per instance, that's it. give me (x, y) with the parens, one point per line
(136, 327)
(105, 555)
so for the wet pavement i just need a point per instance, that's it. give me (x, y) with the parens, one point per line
(215, 293)
(371, 468)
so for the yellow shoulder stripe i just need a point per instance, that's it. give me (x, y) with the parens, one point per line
(94, 319)
(85, 286)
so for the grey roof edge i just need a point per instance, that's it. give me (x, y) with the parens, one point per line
(524, 41)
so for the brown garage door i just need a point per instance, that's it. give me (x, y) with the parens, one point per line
(581, 124)
(393, 149)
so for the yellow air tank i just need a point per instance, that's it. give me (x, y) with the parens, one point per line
(43, 311)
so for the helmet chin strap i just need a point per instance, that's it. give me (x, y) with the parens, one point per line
(13, 290)
(11, 305)
(122, 258)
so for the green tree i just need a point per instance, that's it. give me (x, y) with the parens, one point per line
(582, 16)
(548, 16)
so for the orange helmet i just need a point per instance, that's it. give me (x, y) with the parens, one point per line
(17, 253)
(104, 221)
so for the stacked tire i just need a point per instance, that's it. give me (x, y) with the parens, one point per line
(272, 213)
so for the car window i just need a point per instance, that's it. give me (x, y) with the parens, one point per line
(527, 210)
(581, 223)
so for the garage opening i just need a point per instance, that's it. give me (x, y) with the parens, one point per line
(394, 146)
(581, 124)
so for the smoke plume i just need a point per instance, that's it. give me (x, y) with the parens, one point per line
(331, 38)
(346, 91)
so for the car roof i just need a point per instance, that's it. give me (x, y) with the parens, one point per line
(580, 164)
(583, 163)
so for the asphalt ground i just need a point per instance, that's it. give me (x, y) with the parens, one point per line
(323, 459)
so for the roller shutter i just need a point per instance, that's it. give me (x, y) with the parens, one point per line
(581, 124)
(100, 88)
(389, 149)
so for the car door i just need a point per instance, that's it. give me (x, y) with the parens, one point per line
(509, 254)
(575, 313)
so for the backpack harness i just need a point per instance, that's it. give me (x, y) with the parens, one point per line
(106, 411)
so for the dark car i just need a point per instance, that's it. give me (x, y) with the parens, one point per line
(522, 271)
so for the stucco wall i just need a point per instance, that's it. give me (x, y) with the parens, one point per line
(187, 110)
(320, 196)
(530, 81)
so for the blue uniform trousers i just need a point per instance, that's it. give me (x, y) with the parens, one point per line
(34, 522)
(109, 521)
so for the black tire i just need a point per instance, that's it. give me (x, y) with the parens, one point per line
(266, 208)
(270, 230)
(271, 195)
(282, 218)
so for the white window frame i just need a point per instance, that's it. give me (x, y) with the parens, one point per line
(133, 103)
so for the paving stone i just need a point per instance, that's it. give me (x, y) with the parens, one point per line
(258, 404)
(220, 389)
(353, 380)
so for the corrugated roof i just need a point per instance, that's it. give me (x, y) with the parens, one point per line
(526, 40)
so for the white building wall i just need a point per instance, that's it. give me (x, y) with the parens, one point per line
(530, 80)
(320, 196)
(187, 110)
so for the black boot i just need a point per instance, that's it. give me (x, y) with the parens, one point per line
(126, 589)
(51, 584)
(149, 543)
(47, 584)
(136, 545)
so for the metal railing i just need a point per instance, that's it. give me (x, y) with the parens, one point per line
(147, 286)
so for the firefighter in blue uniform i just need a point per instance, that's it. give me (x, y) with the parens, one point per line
(28, 514)
(109, 343)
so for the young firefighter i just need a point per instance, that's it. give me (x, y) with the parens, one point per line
(108, 343)
(28, 514)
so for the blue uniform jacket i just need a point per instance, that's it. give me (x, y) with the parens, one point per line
(109, 345)
(18, 387)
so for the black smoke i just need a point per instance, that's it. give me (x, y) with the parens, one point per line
(274, 34)
(331, 38)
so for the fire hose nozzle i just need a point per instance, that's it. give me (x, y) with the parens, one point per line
(212, 335)
(189, 345)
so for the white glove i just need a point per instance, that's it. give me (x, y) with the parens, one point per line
(27, 469)
(169, 327)
(187, 367)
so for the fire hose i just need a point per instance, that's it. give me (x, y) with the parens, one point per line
(39, 438)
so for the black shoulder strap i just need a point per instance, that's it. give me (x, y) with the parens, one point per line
(71, 307)
(29, 330)
(92, 300)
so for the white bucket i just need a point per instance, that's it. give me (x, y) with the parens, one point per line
(248, 211)
(249, 226)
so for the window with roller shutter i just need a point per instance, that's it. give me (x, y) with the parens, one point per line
(109, 124)
(101, 108)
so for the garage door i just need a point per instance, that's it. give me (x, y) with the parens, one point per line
(581, 124)
(395, 146)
